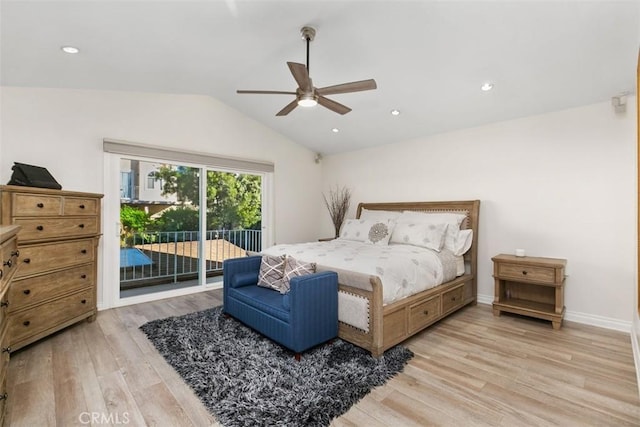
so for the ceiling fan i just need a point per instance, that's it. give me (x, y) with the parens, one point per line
(306, 94)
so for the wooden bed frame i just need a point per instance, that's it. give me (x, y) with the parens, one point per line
(394, 323)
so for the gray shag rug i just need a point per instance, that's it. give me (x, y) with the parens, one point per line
(245, 379)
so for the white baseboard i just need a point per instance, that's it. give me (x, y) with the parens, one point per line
(601, 321)
(485, 299)
(635, 345)
(584, 318)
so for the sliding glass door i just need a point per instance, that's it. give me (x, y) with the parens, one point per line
(159, 226)
(233, 217)
(178, 223)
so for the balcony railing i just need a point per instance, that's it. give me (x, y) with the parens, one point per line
(167, 257)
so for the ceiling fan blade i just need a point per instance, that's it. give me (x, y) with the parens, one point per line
(301, 75)
(289, 108)
(333, 105)
(348, 87)
(267, 92)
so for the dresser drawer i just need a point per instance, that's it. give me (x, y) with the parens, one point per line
(453, 298)
(4, 308)
(28, 323)
(4, 354)
(34, 290)
(36, 259)
(526, 272)
(52, 228)
(80, 206)
(8, 261)
(36, 205)
(3, 399)
(422, 314)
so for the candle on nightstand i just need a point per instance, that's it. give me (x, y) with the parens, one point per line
(520, 252)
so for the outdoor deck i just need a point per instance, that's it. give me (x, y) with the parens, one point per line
(176, 262)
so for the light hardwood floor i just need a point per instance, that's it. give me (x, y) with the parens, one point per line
(469, 369)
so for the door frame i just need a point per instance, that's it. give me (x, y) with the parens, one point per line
(109, 264)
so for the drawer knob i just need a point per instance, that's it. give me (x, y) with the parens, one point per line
(453, 298)
(81, 206)
(524, 272)
(8, 263)
(26, 291)
(26, 260)
(84, 301)
(81, 226)
(40, 205)
(84, 276)
(84, 251)
(4, 396)
(6, 350)
(39, 228)
(26, 323)
(426, 312)
(15, 253)
(1, 273)
(4, 303)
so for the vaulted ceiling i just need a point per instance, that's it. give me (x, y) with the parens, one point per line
(429, 59)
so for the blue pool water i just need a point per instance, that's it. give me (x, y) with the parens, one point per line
(132, 257)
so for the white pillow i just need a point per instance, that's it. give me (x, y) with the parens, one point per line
(453, 219)
(460, 270)
(375, 232)
(379, 215)
(421, 234)
(463, 242)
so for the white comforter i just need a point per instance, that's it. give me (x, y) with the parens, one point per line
(403, 269)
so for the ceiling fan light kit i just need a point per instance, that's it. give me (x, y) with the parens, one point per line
(307, 100)
(306, 94)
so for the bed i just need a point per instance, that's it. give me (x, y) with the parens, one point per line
(376, 318)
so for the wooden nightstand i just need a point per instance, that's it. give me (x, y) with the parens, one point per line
(531, 286)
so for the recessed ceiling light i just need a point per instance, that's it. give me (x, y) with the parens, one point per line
(395, 112)
(70, 49)
(335, 130)
(486, 86)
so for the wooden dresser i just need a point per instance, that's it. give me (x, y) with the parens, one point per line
(55, 285)
(9, 257)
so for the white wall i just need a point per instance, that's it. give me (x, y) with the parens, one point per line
(558, 185)
(62, 130)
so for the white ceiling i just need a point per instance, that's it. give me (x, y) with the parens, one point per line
(429, 58)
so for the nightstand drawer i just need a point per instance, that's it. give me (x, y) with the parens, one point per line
(526, 272)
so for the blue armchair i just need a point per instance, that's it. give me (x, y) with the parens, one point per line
(301, 319)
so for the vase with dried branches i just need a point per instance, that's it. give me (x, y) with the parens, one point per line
(338, 204)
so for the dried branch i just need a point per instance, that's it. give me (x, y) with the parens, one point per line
(338, 205)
